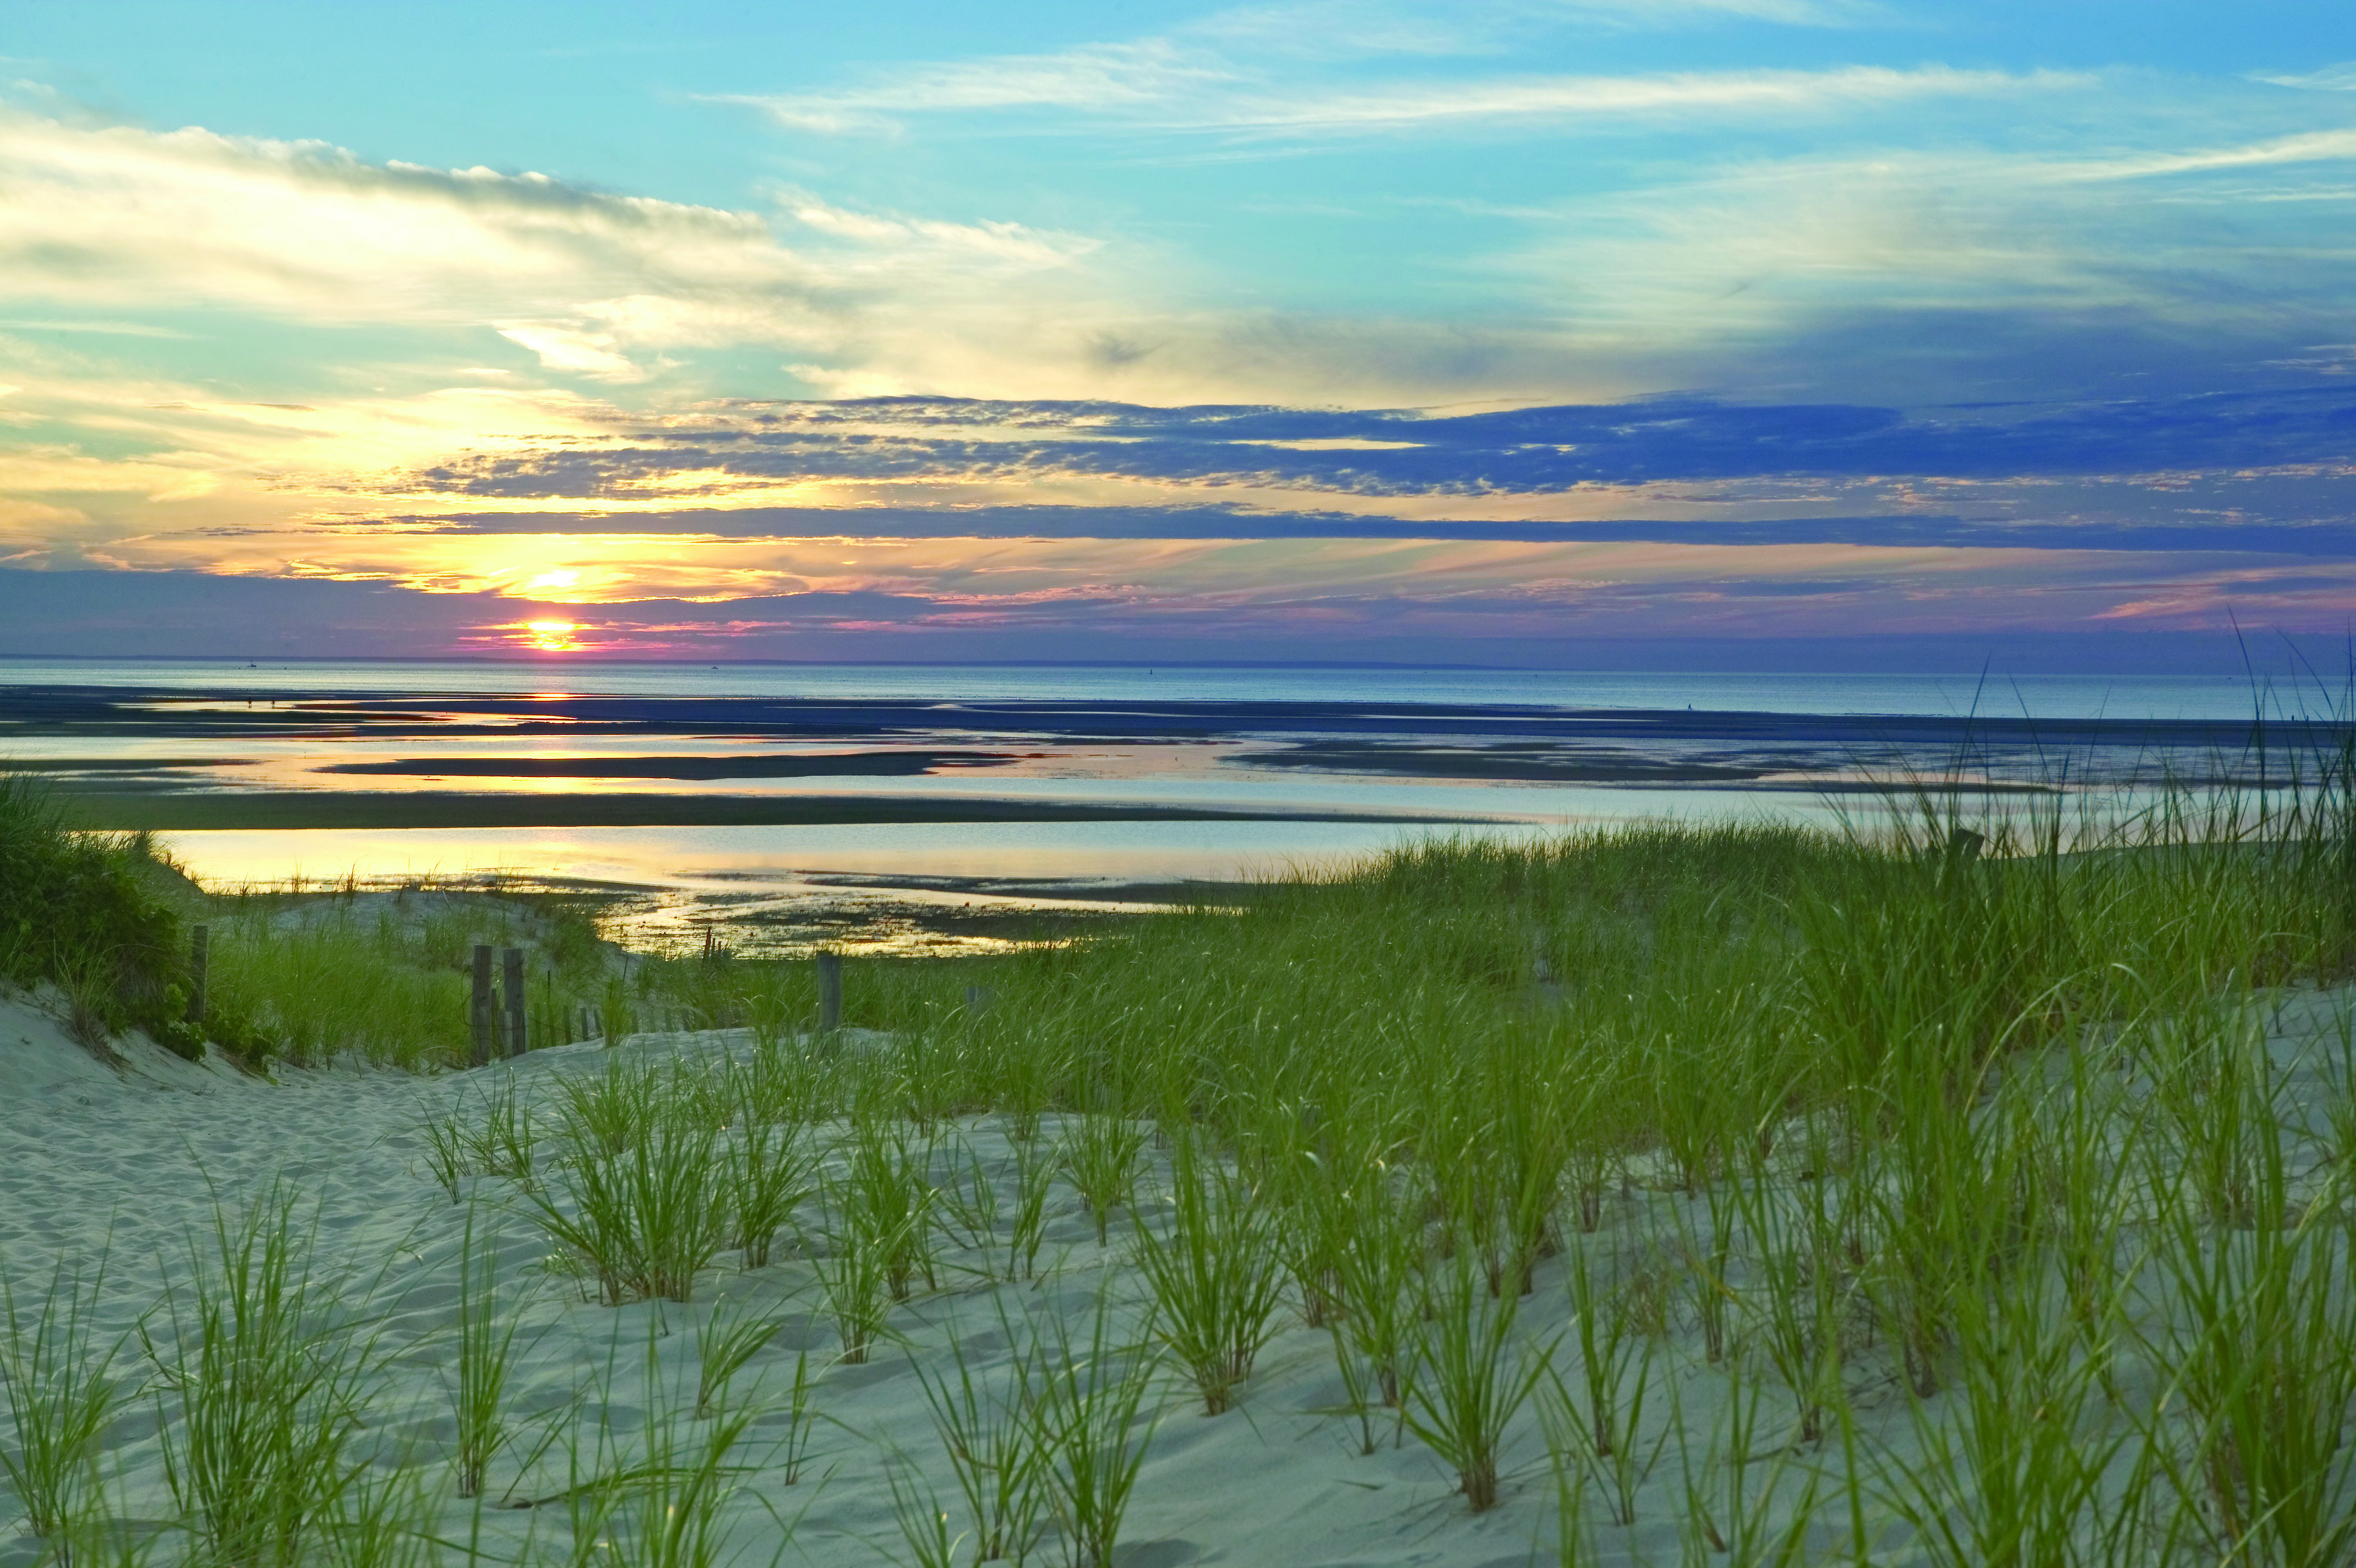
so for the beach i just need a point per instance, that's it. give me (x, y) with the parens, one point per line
(132, 1172)
(1064, 1258)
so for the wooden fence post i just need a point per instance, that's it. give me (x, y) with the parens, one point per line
(481, 1017)
(830, 992)
(519, 1004)
(199, 956)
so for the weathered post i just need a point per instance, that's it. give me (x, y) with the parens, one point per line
(518, 1004)
(199, 951)
(481, 1017)
(830, 992)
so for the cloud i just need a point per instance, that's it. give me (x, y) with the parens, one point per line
(1406, 106)
(1683, 12)
(595, 284)
(1933, 274)
(996, 506)
(562, 348)
(1316, 597)
(1223, 59)
(102, 329)
(1404, 453)
(2313, 146)
(2327, 539)
(1150, 85)
(1898, 274)
(108, 217)
(1098, 78)
(1912, 265)
(2327, 78)
(1358, 29)
(115, 215)
(1215, 71)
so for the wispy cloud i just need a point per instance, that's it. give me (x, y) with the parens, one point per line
(1157, 84)
(1228, 56)
(1744, 274)
(1684, 13)
(2328, 79)
(615, 289)
(1097, 78)
(2312, 146)
(2024, 271)
(102, 329)
(91, 216)
(104, 219)
(1411, 105)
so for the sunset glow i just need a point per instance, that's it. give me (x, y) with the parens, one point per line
(1494, 326)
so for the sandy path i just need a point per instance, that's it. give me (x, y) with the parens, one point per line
(132, 1167)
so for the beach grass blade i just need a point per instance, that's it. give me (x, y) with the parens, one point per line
(1218, 1276)
(1473, 1375)
(1087, 1419)
(61, 1392)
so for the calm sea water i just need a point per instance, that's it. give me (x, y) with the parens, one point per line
(2039, 696)
(773, 869)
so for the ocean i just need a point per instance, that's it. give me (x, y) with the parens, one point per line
(756, 793)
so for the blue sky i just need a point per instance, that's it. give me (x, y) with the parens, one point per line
(1360, 328)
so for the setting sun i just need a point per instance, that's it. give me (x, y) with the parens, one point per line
(551, 636)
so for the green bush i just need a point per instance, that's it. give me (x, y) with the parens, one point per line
(73, 911)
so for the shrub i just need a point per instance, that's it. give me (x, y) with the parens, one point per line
(73, 911)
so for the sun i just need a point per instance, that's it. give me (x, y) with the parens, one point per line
(553, 636)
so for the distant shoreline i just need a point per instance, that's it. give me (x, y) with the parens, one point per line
(295, 809)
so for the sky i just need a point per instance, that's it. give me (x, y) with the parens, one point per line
(1496, 331)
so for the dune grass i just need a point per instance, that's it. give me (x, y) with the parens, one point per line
(1217, 1277)
(1876, 1077)
(488, 1323)
(306, 996)
(261, 1379)
(640, 1224)
(61, 1388)
(309, 978)
(991, 1444)
(1090, 1424)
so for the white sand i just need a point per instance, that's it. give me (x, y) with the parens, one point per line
(133, 1162)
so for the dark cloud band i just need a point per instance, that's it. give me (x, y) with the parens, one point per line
(1404, 455)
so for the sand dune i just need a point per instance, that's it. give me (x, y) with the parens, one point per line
(131, 1165)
